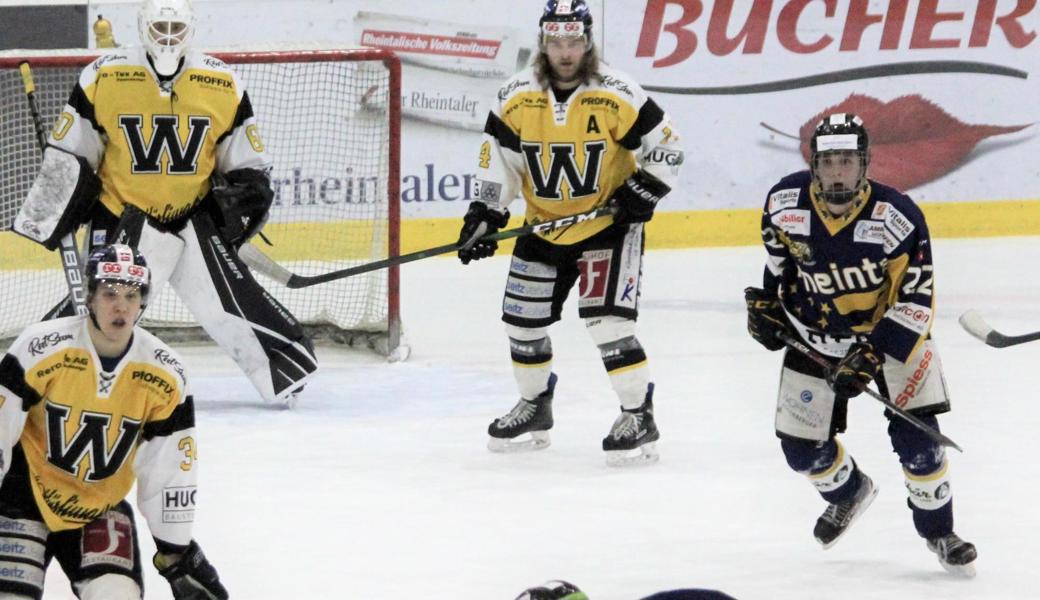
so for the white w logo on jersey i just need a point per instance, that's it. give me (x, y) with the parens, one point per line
(562, 165)
(90, 439)
(183, 159)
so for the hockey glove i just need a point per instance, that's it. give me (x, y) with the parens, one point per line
(478, 222)
(859, 367)
(637, 198)
(765, 318)
(191, 577)
(242, 204)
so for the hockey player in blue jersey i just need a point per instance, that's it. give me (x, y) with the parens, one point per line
(850, 273)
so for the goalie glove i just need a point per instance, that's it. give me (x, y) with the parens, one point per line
(241, 204)
(637, 198)
(191, 576)
(859, 367)
(765, 318)
(478, 222)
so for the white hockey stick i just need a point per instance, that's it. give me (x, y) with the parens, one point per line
(68, 251)
(973, 323)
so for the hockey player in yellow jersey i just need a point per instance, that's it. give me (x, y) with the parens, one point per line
(88, 405)
(571, 134)
(160, 124)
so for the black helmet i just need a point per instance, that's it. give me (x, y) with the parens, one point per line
(840, 132)
(566, 18)
(118, 263)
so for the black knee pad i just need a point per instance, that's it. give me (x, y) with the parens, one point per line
(805, 456)
(918, 454)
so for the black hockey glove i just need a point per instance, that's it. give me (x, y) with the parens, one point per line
(478, 222)
(637, 198)
(242, 204)
(191, 577)
(859, 367)
(765, 318)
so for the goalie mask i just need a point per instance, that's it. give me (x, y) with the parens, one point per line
(118, 263)
(566, 18)
(839, 153)
(166, 28)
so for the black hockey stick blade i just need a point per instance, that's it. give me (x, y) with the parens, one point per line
(259, 261)
(816, 357)
(973, 323)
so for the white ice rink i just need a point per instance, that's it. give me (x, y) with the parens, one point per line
(378, 485)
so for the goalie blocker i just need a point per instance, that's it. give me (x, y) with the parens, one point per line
(60, 199)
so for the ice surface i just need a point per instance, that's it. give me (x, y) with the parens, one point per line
(378, 485)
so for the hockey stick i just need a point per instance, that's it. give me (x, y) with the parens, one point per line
(67, 246)
(821, 360)
(973, 323)
(262, 263)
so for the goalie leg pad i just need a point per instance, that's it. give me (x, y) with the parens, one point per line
(61, 197)
(262, 336)
(531, 351)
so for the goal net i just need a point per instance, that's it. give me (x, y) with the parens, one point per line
(331, 121)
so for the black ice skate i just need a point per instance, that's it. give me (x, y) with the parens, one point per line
(528, 416)
(837, 519)
(955, 555)
(633, 437)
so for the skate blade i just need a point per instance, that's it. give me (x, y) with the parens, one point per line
(862, 509)
(538, 440)
(643, 455)
(967, 570)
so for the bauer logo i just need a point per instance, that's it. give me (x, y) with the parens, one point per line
(806, 396)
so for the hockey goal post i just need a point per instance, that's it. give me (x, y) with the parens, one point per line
(330, 119)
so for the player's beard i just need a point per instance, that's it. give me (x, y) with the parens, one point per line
(588, 67)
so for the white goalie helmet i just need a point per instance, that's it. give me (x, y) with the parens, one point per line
(167, 28)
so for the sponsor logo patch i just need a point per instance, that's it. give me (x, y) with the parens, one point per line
(869, 232)
(178, 504)
(792, 221)
(782, 199)
(595, 273)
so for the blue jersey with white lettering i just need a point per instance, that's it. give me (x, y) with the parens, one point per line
(865, 276)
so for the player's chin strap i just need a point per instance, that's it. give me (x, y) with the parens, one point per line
(821, 360)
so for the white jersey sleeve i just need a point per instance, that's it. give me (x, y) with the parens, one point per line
(12, 412)
(654, 139)
(241, 146)
(501, 161)
(166, 469)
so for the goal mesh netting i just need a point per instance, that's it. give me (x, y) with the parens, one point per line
(329, 118)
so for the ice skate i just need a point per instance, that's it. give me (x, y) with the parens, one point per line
(633, 437)
(837, 519)
(955, 555)
(530, 420)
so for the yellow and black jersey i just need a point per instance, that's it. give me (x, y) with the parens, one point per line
(155, 143)
(567, 157)
(87, 434)
(866, 276)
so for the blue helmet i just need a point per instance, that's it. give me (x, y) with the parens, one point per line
(566, 18)
(118, 263)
